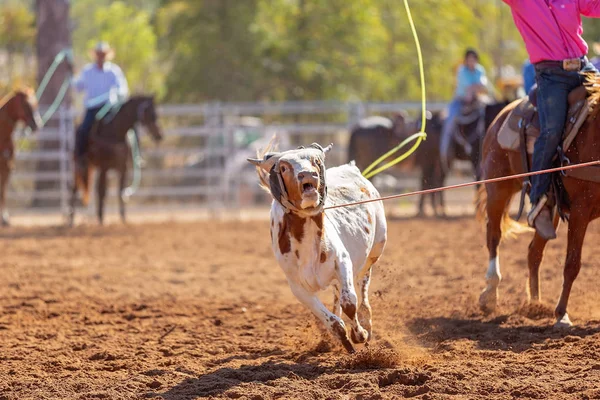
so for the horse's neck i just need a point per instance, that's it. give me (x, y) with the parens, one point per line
(7, 123)
(125, 119)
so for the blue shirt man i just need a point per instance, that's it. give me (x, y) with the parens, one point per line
(103, 83)
(469, 77)
(470, 80)
(528, 76)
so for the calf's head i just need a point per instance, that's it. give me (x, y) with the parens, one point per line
(296, 178)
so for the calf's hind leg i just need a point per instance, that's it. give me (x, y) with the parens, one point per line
(364, 310)
(349, 298)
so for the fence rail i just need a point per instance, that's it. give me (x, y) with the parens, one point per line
(202, 159)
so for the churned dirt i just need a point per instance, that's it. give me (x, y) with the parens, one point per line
(189, 310)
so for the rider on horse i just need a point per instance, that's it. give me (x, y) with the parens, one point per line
(551, 30)
(103, 83)
(470, 80)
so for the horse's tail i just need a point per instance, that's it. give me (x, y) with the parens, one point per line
(83, 180)
(510, 228)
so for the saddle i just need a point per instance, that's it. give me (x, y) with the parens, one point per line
(521, 129)
(523, 121)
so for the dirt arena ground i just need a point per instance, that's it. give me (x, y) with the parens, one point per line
(188, 310)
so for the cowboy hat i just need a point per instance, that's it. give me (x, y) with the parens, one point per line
(103, 47)
(596, 47)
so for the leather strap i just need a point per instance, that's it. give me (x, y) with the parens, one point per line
(525, 163)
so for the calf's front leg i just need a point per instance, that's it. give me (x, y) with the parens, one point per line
(332, 322)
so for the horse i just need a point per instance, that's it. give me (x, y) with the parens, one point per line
(108, 149)
(374, 136)
(20, 105)
(582, 207)
(471, 125)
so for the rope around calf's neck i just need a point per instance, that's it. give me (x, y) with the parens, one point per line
(467, 184)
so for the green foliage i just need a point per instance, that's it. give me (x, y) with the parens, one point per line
(250, 50)
(327, 49)
(17, 26)
(212, 49)
(322, 48)
(17, 34)
(129, 31)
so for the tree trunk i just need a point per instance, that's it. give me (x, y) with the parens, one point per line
(53, 36)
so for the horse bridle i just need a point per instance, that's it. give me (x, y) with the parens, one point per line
(279, 190)
(141, 109)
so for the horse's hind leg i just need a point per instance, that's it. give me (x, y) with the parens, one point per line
(72, 201)
(425, 176)
(102, 177)
(534, 259)
(578, 223)
(122, 179)
(498, 199)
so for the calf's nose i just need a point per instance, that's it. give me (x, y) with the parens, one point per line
(308, 177)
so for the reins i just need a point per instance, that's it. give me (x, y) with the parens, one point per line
(467, 184)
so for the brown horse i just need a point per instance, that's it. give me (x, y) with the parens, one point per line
(108, 149)
(375, 136)
(494, 200)
(20, 105)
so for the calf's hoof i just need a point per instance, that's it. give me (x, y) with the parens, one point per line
(359, 335)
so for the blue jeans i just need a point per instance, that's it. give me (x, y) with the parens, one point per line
(83, 133)
(448, 130)
(554, 85)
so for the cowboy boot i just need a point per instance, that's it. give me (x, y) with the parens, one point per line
(540, 218)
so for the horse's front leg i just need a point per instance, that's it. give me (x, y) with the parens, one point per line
(332, 322)
(535, 256)
(4, 176)
(348, 298)
(578, 223)
(498, 200)
(102, 178)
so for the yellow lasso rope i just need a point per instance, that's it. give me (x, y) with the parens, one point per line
(369, 173)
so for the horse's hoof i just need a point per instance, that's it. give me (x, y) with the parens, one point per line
(564, 322)
(488, 300)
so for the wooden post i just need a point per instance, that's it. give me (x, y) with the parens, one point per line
(53, 35)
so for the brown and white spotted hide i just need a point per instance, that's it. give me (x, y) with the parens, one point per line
(316, 248)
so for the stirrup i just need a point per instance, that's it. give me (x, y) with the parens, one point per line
(535, 211)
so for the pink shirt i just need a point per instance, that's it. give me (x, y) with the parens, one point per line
(551, 29)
